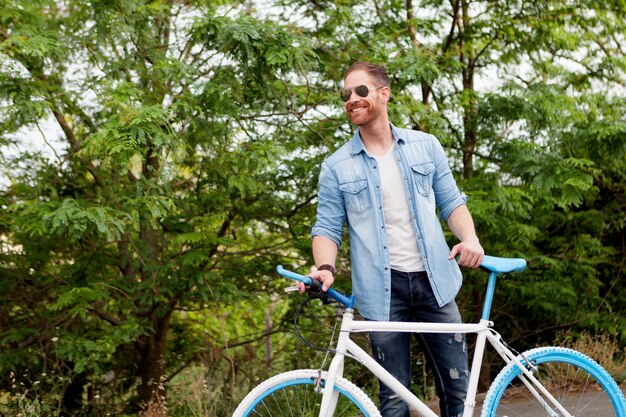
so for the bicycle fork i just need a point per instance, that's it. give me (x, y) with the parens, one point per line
(477, 360)
(330, 395)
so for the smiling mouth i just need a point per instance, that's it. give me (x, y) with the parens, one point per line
(357, 109)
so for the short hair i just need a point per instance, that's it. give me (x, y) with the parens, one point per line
(377, 72)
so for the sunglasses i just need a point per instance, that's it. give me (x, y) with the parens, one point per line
(361, 90)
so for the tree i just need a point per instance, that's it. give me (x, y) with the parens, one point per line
(170, 194)
(192, 134)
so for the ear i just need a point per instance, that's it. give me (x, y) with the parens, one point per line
(385, 94)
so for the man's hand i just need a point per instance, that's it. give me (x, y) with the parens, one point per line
(470, 251)
(325, 277)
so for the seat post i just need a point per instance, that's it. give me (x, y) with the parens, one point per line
(491, 288)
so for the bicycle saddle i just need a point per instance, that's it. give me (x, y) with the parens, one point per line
(502, 265)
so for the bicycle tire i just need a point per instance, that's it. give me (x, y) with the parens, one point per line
(582, 386)
(294, 393)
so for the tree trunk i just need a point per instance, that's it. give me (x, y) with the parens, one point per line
(468, 147)
(151, 350)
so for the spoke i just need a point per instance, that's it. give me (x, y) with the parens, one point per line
(278, 407)
(347, 407)
(305, 402)
(555, 376)
(580, 406)
(269, 413)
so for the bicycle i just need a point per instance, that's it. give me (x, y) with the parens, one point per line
(548, 381)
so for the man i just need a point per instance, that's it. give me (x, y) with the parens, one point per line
(386, 184)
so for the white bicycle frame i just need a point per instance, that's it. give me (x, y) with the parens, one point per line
(345, 346)
(483, 330)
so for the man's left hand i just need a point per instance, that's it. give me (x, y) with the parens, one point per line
(470, 253)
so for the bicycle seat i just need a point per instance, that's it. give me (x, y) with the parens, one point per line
(502, 265)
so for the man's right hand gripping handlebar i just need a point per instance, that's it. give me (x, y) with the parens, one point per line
(325, 275)
(313, 283)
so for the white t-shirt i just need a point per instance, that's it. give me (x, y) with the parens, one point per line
(404, 250)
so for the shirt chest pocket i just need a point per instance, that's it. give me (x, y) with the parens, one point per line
(423, 176)
(356, 195)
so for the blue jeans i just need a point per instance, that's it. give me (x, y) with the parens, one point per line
(412, 300)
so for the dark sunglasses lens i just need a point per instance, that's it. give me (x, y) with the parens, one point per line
(362, 90)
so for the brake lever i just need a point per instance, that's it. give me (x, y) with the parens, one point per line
(315, 292)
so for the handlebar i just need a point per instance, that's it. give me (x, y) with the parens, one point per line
(346, 300)
(492, 264)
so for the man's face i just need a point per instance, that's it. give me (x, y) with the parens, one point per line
(363, 110)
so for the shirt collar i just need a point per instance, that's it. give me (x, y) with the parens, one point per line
(357, 142)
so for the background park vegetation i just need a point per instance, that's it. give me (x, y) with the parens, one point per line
(137, 254)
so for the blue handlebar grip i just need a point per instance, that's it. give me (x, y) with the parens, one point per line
(346, 300)
(292, 275)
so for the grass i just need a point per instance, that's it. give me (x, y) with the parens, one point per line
(602, 348)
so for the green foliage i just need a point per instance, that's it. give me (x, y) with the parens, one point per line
(73, 221)
(165, 193)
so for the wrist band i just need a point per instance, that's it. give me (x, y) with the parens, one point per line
(327, 267)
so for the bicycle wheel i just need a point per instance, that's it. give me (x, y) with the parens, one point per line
(297, 393)
(582, 386)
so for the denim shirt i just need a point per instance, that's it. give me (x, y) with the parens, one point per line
(349, 193)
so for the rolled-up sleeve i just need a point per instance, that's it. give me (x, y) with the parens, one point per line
(331, 213)
(447, 194)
